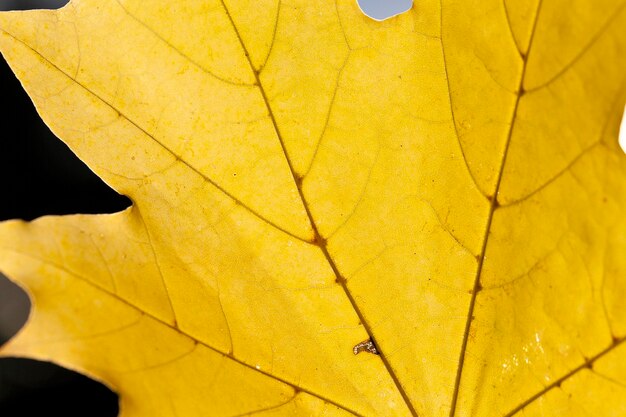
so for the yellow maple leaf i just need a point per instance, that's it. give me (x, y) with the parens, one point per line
(447, 183)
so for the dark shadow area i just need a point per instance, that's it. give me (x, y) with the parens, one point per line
(39, 175)
(32, 388)
(31, 4)
(14, 309)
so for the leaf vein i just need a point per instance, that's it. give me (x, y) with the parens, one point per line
(318, 240)
(270, 408)
(176, 329)
(162, 145)
(186, 57)
(454, 122)
(510, 28)
(331, 105)
(556, 384)
(555, 177)
(481, 261)
(157, 264)
(273, 41)
(605, 27)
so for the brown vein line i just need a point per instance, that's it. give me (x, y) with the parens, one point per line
(583, 50)
(331, 106)
(456, 130)
(494, 204)
(219, 301)
(359, 201)
(588, 364)
(166, 362)
(608, 378)
(445, 227)
(188, 58)
(556, 176)
(158, 265)
(104, 261)
(92, 336)
(574, 161)
(273, 41)
(510, 27)
(176, 329)
(491, 75)
(529, 271)
(343, 30)
(165, 147)
(270, 408)
(318, 239)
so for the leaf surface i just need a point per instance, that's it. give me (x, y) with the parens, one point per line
(447, 183)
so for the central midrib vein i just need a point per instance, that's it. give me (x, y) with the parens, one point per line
(493, 206)
(318, 239)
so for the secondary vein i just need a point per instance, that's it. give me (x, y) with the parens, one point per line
(318, 240)
(493, 206)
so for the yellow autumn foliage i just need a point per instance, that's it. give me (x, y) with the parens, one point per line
(447, 182)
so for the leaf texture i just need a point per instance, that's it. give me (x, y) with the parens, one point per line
(447, 183)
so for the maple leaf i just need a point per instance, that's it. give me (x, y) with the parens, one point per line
(446, 183)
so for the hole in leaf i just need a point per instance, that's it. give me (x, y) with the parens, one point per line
(39, 175)
(622, 132)
(14, 309)
(384, 9)
(33, 388)
(31, 4)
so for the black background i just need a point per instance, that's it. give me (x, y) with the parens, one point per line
(40, 176)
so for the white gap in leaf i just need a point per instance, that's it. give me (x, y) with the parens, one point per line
(384, 9)
(622, 132)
